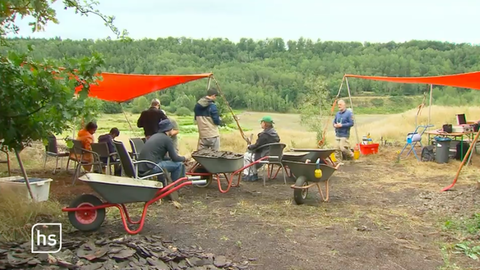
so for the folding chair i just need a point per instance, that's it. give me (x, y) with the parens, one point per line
(102, 150)
(275, 154)
(79, 152)
(130, 167)
(412, 139)
(137, 146)
(51, 150)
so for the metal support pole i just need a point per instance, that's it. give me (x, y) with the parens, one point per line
(353, 114)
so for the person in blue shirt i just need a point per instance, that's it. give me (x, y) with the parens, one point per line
(342, 123)
(108, 139)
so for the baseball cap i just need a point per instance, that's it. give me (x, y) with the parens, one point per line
(267, 119)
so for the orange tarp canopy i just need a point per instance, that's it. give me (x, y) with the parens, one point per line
(123, 87)
(464, 80)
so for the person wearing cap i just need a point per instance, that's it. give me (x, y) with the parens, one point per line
(150, 118)
(268, 135)
(208, 119)
(155, 150)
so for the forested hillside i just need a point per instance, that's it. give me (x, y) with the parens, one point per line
(271, 74)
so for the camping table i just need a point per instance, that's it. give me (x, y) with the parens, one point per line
(455, 135)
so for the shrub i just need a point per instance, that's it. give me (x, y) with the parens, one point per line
(183, 111)
(111, 107)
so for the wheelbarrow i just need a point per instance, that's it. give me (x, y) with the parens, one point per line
(302, 155)
(87, 212)
(306, 177)
(213, 167)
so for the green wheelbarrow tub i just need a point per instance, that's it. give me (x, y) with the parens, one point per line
(295, 156)
(314, 154)
(308, 170)
(116, 189)
(219, 164)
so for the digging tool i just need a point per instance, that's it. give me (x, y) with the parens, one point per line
(233, 114)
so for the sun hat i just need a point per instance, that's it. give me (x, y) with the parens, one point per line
(165, 125)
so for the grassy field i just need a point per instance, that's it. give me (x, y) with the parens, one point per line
(392, 128)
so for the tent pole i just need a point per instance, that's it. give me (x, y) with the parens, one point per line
(430, 110)
(353, 113)
(209, 82)
(126, 118)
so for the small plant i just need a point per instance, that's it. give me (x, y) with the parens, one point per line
(472, 252)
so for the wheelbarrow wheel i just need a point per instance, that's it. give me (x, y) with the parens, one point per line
(209, 178)
(86, 220)
(300, 194)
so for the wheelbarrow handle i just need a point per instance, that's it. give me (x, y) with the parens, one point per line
(199, 182)
(196, 177)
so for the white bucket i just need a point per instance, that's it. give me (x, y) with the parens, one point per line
(40, 187)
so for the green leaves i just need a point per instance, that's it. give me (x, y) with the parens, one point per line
(37, 97)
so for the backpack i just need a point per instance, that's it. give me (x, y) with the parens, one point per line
(428, 153)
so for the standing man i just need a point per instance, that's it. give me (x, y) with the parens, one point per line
(342, 123)
(208, 120)
(150, 118)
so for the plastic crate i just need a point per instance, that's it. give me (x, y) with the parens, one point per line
(369, 149)
(40, 187)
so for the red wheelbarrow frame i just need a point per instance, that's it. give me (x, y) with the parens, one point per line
(229, 179)
(161, 193)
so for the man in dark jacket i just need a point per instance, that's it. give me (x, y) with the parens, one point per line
(208, 119)
(155, 150)
(342, 123)
(108, 139)
(150, 118)
(268, 135)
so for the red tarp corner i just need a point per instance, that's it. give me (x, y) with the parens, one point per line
(464, 80)
(123, 87)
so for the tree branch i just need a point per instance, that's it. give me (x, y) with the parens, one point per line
(26, 114)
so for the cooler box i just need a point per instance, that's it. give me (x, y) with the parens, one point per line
(369, 149)
(40, 187)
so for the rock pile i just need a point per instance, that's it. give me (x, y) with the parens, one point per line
(130, 252)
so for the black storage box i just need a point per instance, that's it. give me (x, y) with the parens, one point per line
(448, 128)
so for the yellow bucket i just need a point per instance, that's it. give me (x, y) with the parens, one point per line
(356, 154)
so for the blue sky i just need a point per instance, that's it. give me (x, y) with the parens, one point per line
(348, 20)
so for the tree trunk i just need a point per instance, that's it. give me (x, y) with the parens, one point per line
(24, 172)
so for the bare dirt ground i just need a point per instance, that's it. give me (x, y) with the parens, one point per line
(381, 215)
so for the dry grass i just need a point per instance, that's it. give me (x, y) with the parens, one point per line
(17, 215)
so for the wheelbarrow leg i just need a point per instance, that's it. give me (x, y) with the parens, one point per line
(327, 195)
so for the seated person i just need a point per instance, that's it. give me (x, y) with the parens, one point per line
(85, 135)
(268, 135)
(108, 139)
(155, 150)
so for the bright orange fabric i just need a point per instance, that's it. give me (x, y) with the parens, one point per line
(464, 80)
(123, 87)
(87, 139)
